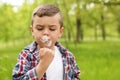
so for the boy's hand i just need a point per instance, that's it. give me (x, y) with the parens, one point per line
(46, 57)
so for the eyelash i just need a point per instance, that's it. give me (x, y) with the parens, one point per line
(42, 29)
(52, 29)
(39, 29)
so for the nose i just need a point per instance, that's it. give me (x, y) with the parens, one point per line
(46, 32)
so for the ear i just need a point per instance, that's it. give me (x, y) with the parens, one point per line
(61, 31)
(32, 31)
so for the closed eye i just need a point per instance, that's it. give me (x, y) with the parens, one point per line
(52, 29)
(39, 27)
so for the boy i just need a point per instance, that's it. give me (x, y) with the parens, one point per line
(45, 58)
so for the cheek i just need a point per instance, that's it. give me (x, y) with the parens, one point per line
(37, 36)
(55, 36)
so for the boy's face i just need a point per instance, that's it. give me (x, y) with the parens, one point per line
(46, 26)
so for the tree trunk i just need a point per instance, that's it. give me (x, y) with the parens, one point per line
(68, 21)
(103, 27)
(79, 32)
(95, 32)
(118, 29)
(69, 35)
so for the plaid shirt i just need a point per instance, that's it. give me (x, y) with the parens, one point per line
(29, 58)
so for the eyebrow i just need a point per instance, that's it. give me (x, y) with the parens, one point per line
(52, 25)
(39, 25)
(43, 25)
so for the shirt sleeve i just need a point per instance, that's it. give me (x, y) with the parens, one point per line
(23, 70)
(76, 70)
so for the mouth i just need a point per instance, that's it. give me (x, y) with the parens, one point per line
(45, 40)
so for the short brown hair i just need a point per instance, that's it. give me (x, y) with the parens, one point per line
(47, 10)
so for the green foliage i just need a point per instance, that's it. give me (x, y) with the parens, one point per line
(15, 24)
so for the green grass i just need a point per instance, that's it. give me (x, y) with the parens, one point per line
(96, 60)
(8, 59)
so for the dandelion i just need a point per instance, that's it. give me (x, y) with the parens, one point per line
(45, 39)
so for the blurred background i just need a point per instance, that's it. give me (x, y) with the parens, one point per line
(92, 34)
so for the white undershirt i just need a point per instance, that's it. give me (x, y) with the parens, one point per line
(55, 69)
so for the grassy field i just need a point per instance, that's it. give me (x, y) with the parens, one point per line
(96, 60)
